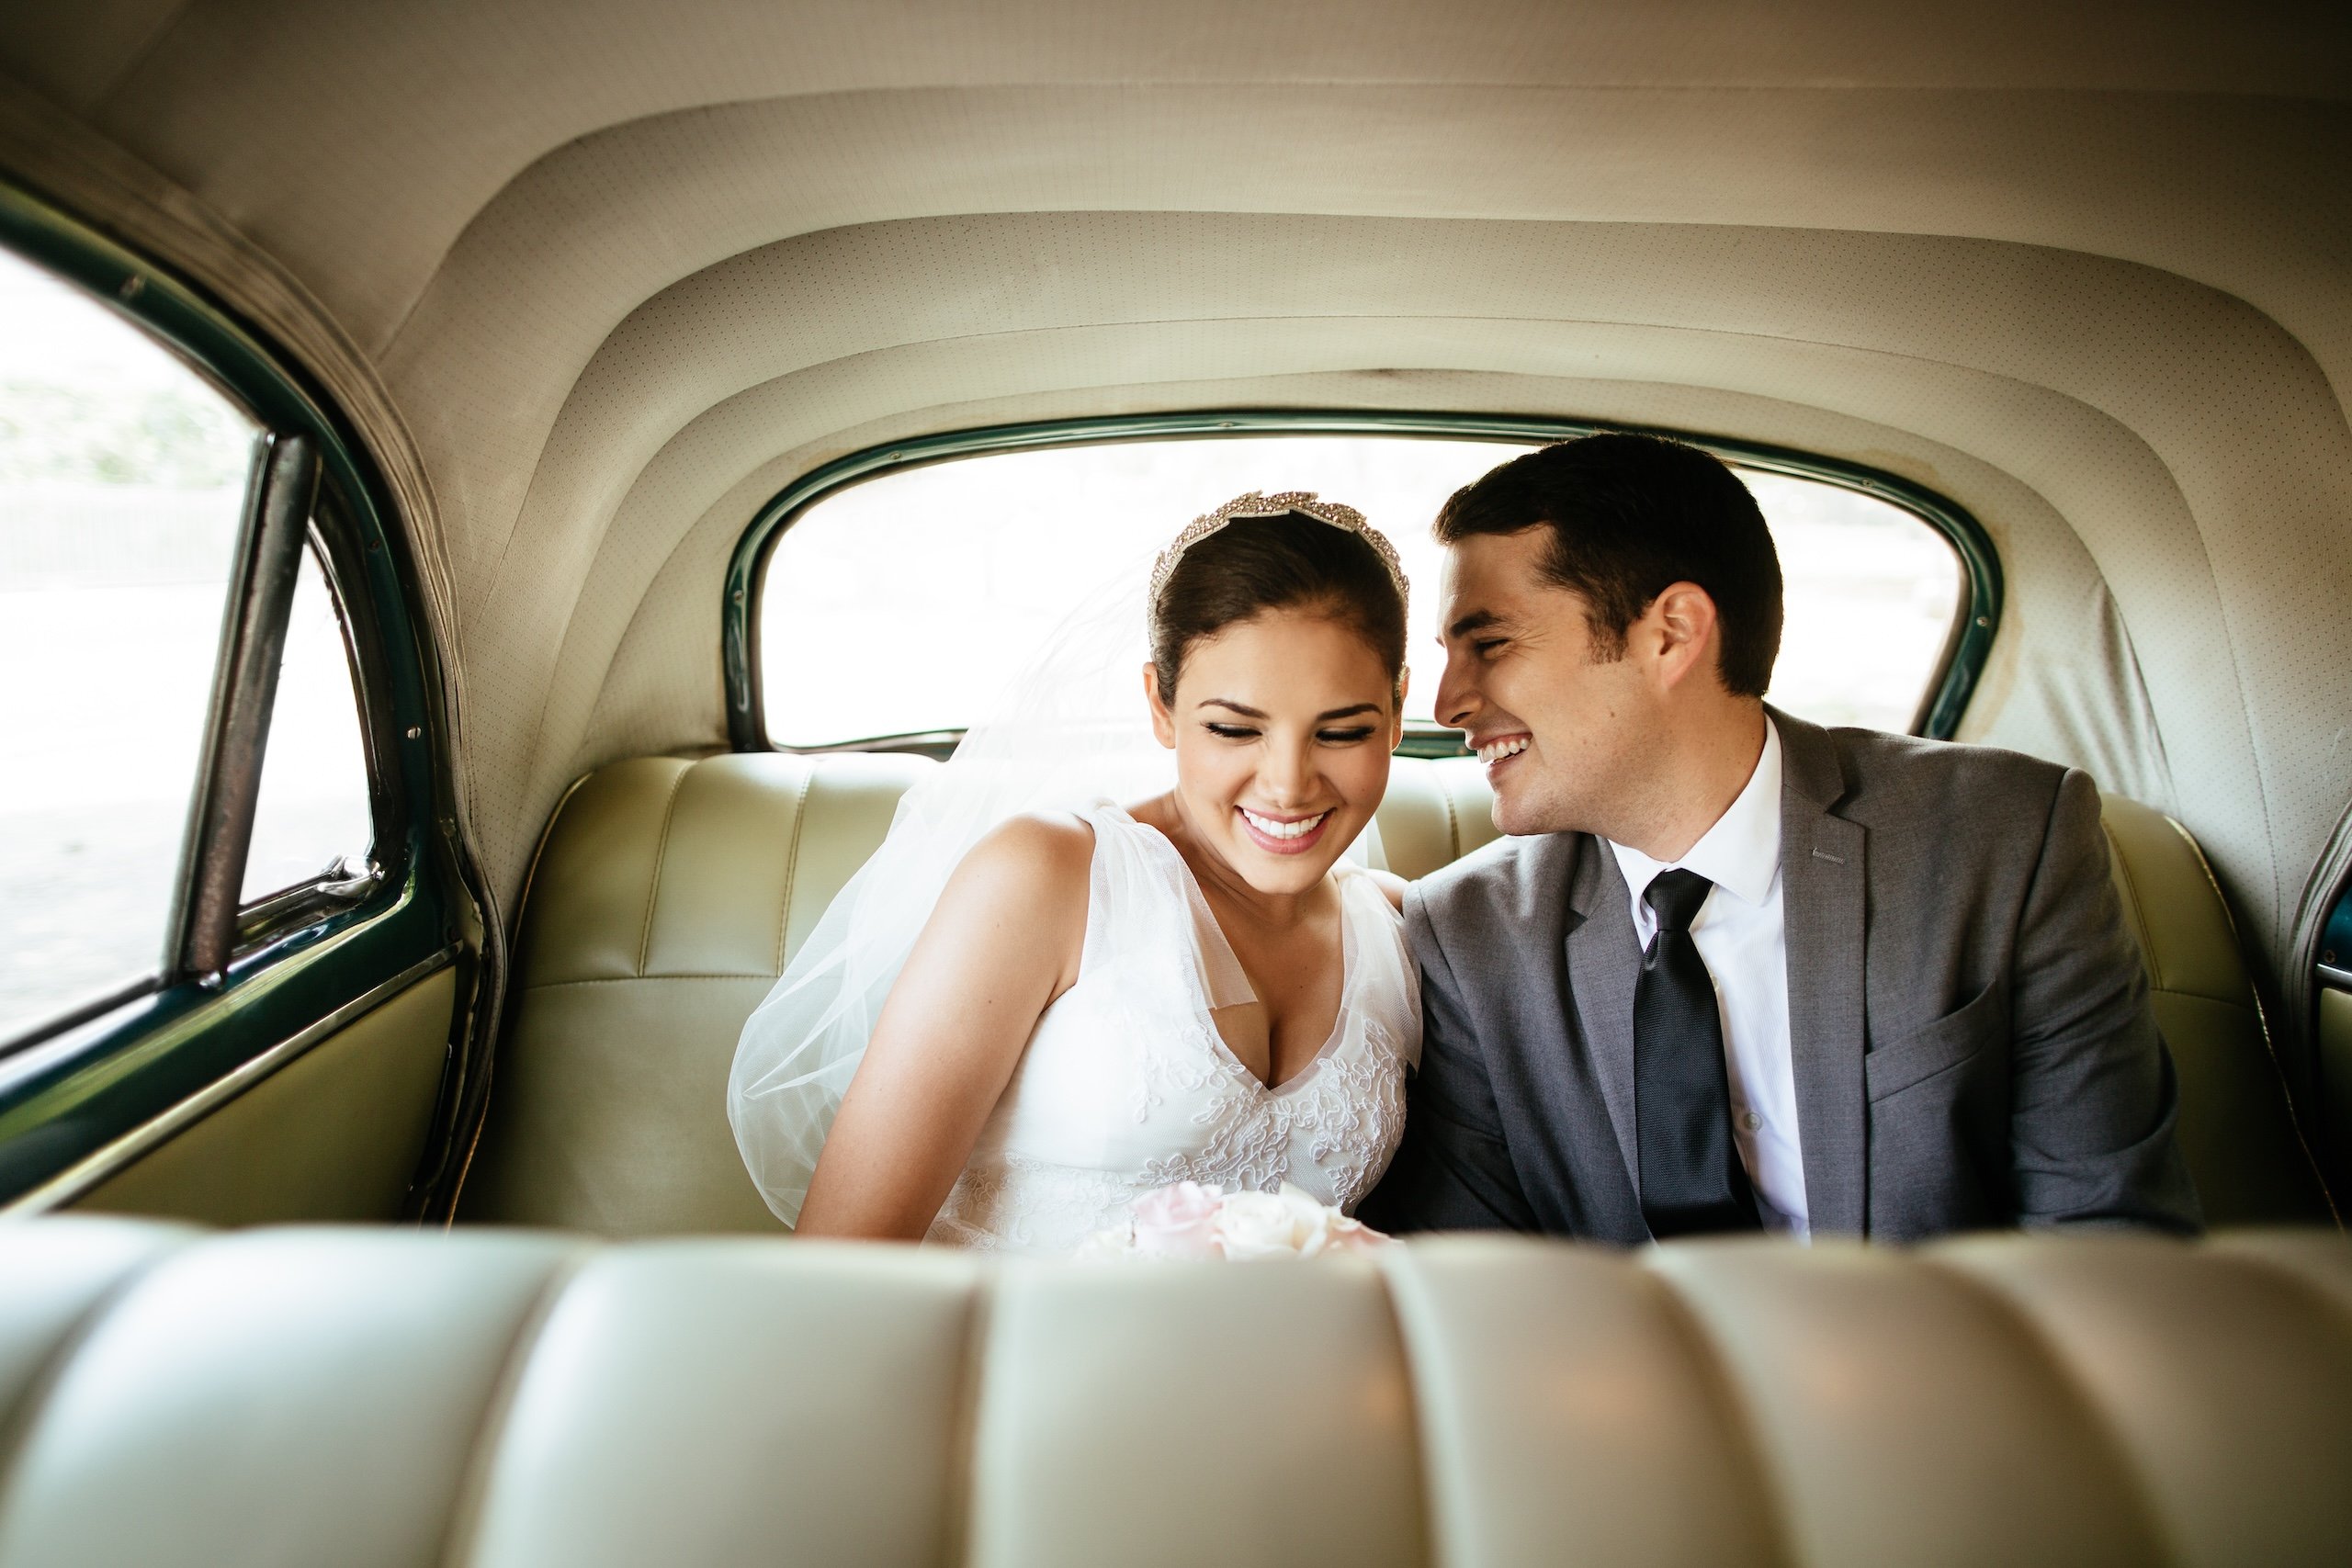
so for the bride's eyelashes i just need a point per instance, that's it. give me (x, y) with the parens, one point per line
(1348, 737)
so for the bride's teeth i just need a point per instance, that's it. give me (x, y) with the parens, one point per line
(1274, 830)
(1496, 750)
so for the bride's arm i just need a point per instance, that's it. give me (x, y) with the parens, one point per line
(1002, 944)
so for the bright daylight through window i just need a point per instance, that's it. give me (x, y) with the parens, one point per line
(903, 603)
(122, 483)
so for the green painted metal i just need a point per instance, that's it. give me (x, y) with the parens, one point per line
(64, 1093)
(1964, 654)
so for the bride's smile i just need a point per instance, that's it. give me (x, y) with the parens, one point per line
(1282, 726)
(1278, 836)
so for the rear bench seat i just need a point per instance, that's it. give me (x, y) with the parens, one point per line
(669, 894)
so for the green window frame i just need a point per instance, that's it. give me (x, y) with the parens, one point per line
(1974, 624)
(77, 1086)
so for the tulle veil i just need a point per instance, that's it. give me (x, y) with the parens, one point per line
(1069, 730)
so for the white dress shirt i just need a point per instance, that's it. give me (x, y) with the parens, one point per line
(1744, 943)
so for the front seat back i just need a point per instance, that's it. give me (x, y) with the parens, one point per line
(505, 1400)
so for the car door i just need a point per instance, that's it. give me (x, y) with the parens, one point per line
(2332, 1004)
(236, 943)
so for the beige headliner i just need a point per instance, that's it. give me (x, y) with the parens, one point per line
(596, 278)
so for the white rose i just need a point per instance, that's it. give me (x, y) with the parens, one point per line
(1258, 1225)
(1311, 1221)
(1106, 1247)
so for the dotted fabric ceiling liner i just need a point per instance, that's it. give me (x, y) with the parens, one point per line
(624, 268)
(537, 281)
(2067, 370)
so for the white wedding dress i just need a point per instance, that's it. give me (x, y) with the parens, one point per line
(1126, 1085)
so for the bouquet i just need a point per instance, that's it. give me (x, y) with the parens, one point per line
(1189, 1220)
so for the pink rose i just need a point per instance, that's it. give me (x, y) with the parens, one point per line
(1178, 1222)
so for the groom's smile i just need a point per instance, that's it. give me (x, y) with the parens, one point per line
(1499, 750)
(1523, 684)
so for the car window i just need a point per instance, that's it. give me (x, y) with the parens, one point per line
(933, 583)
(312, 819)
(122, 482)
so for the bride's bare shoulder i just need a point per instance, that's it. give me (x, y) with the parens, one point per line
(1392, 886)
(1038, 853)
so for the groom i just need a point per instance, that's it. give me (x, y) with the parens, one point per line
(1733, 971)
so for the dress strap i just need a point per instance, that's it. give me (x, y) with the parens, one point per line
(1137, 870)
(1383, 980)
(1222, 977)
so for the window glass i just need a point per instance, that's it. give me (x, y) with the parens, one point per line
(983, 555)
(313, 810)
(123, 479)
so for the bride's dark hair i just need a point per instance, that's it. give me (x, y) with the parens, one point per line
(1290, 562)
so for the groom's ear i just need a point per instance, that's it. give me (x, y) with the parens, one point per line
(1679, 627)
(1163, 722)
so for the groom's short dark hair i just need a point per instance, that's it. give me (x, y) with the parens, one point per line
(1628, 515)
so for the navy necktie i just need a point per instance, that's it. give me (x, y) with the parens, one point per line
(1691, 1179)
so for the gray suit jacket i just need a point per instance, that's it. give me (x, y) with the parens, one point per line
(1969, 1017)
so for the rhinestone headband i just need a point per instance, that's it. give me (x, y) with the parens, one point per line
(1257, 504)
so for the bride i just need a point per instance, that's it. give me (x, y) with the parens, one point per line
(1034, 1005)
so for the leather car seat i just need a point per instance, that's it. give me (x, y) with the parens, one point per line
(668, 894)
(666, 899)
(374, 1399)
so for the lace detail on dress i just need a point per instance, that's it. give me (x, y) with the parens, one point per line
(1162, 1073)
(1345, 1122)
(1126, 1085)
(1011, 1204)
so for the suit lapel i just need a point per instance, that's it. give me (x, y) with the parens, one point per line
(1566, 1090)
(1824, 904)
(1604, 967)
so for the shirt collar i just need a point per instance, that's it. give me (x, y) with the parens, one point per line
(1741, 854)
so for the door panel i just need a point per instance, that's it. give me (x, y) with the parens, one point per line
(2335, 1080)
(333, 1134)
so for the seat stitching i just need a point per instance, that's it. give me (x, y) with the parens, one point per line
(539, 849)
(1744, 1427)
(1452, 824)
(661, 855)
(792, 860)
(2063, 1374)
(470, 1502)
(18, 1422)
(1402, 1293)
(2201, 996)
(961, 1503)
(632, 979)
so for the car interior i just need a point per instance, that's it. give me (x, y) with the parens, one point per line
(378, 1203)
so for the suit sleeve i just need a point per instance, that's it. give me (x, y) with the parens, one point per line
(1453, 1169)
(2093, 1096)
